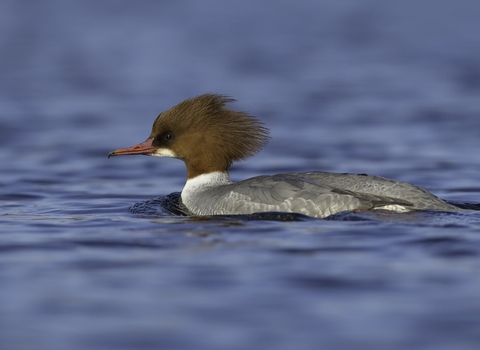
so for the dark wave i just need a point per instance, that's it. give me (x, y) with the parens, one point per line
(468, 206)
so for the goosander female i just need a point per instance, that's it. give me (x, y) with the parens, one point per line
(209, 137)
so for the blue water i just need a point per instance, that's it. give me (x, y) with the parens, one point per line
(387, 88)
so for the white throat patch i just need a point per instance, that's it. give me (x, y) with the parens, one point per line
(164, 152)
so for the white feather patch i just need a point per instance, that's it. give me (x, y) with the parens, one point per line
(394, 207)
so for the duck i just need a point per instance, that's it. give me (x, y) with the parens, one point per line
(208, 136)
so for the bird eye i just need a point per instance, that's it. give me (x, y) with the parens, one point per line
(168, 137)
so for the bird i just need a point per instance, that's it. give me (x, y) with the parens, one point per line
(208, 136)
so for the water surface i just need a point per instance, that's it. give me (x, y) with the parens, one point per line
(387, 89)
